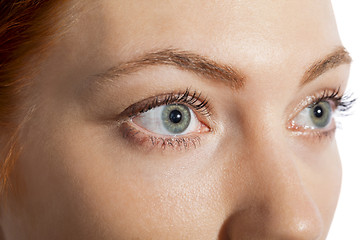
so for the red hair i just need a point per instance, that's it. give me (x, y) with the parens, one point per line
(27, 28)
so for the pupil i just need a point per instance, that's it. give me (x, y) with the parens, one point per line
(318, 112)
(175, 116)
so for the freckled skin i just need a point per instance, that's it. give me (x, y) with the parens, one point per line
(250, 178)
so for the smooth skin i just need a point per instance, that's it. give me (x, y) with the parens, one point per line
(251, 177)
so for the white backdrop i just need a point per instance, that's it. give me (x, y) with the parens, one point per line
(346, 224)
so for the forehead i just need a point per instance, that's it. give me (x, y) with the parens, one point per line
(265, 34)
(212, 22)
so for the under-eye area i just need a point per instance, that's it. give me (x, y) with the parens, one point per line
(149, 141)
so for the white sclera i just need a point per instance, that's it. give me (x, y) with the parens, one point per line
(303, 119)
(152, 121)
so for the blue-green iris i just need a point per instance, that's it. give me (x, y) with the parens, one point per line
(320, 114)
(176, 118)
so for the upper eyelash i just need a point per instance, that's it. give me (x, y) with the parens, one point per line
(343, 103)
(329, 94)
(190, 99)
(187, 97)
(346, 103)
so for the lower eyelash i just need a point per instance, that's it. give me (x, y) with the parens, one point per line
(323, 135)
(148, 142)
(316, 135)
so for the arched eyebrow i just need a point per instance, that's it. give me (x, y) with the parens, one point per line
(334, 59)
(213, 70)
(184, 60)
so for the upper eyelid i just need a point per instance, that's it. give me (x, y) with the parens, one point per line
(188, 97)
(313, 99)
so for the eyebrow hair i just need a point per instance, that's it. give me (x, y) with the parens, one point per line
(336, 58)
(204, 66)
(184, 60)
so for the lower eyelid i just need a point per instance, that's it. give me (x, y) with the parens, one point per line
(315, 137)
(147, 142)
(315, 134)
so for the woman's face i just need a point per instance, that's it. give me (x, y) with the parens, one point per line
(244, 148)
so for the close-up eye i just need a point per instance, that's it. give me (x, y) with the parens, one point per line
(315, 116)
(177, 120)
(169, 120)
(320, 113)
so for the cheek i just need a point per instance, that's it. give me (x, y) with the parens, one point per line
(81, 178)
(52, 205)
(87, 176)
(325, 184)
(136, 194)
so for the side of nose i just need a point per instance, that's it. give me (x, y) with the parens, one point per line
(279, 206)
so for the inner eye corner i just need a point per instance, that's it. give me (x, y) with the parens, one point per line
(291, 126)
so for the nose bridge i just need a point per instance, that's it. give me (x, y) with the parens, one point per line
(290, 210)
(281, 207)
